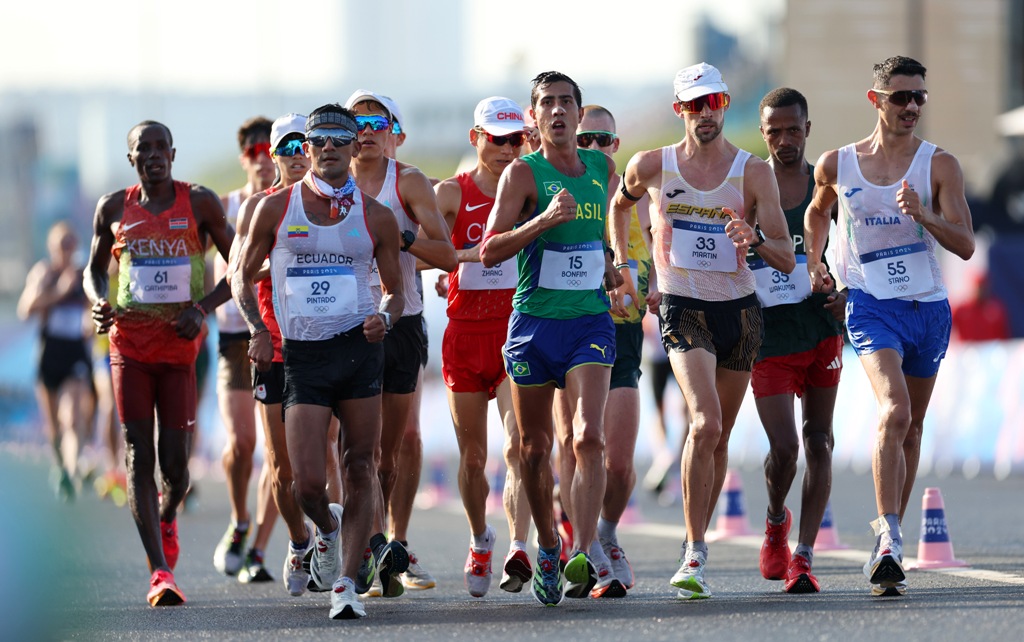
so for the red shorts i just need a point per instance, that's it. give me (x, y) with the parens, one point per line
(139, 386)
(795, 373)
(471, 358)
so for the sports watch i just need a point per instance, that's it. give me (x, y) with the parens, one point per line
(760, 237)
(386, 317)
(408, 238)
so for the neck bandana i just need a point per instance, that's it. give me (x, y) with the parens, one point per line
(340, 197)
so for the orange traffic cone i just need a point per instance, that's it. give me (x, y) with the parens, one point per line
(732, 512)
(935, 549)
(828, 535)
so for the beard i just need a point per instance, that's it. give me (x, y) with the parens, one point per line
(708, 135)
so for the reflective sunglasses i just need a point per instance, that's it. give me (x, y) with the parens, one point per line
(516, 139)
(254, 151)
(903, 97)
(376, 122)
(291, 148)
(604, 139)
(714, 102)
(338, 137)
(396, 129)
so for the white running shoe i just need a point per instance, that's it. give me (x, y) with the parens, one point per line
(621, 569)
(689, 579)
(416, 577)
(478, 567)
(325, 566)
(345, 604)
(295, 576)
(885, 566)
(230, 552)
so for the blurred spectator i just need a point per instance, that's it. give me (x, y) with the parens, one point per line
(981, 317)
(1007, 202)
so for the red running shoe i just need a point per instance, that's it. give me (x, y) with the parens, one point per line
(799, 578)
(163, 591)
(775, 554)
(169, 535)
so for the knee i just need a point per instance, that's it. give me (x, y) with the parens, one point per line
(894, 421)
(474, 461)
(619, 469)
(588, 443)
(535, 451)
(359, 467)
(705, 433)
(914, 435)
(241, 445)
(818, 446)
(785, 450)
(511, 453)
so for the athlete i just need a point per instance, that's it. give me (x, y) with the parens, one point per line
(323, 235)
(802, 355)
(713, 200)
(53, 291)
(234, 381)
(479, 306)
(157, 230)
(899, 197)
(550, 214)
(408, 193)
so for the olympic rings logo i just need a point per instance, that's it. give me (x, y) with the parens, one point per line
(320, 308)
(492, 281)
(901, 287)
(574, 283)
(704, 263)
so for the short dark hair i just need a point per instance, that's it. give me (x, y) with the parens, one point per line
(598, 110)
(783, 97)
(330, 108)
(259, 126)
(546, 78)
(896, 66)
(149, 123)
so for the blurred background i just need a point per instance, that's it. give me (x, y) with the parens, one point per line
(77, 76)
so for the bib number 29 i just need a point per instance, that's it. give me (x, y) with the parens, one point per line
(320, 288)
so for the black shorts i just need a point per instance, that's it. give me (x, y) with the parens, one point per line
(730, 330)
(629, 341)
(63, 359)
(233, 364)
(404, 347)
(268, 387)
(322, 373)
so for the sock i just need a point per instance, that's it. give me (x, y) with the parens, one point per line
(377, 544)
(597, 555)
(484, 541)
(242, 527)
(606, 531)
(298, 548)
(777, 520)
(550, 552)
(697, 547)
(330, 537)
(893, 522)
(256, 554)
(518, 545)
(806, 552)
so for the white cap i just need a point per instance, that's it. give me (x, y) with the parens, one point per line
(360, 95)
(288, 124)
(698, 80)
(499, 116)
(396, 113)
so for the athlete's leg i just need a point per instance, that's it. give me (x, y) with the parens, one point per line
(920, 392)
(266, 507)
(360, 439)
(306, 427)
(776, 414)
(335, 487)
(277, 460)
(236, 410)
(517, 507)
(563, 410)
(818, 407)
(410, 467)
(731, 386)
(621, 425)
(889, 464)
(396, 409)
(586, 387)
(469, 414)
(533, 416)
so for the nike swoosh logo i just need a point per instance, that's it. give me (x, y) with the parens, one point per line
(128, 227)
(191, 422)
(470, 208)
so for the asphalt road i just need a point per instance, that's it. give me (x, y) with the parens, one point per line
(78, 572)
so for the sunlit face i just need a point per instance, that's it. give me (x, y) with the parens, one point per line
(595, 121)
(331, 162)
(703, 126)
(374, 144)
(292, 168)
(151, 153)
(785, 131)
(492, 156)
(256, 162)
(897, 119)
(557, 113)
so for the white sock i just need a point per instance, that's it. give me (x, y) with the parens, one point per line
(606, 531)
(484, 541)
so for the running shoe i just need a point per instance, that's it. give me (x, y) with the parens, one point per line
(775, 554)
(896, 590)
(230, 553)
(163, 591)
(296, 575)
(478, 568)
(885, 568)
(580, 575)
(394, 560)
(516, 572)
(799, 578)
(252, 570)
(169, 537)
(417, 578)
(367, 572)
(64, 487)
(345, 604)
(689, 579)
(307, 564)
(607, 584)
(547, 579)
(325, 566)
(621, 569)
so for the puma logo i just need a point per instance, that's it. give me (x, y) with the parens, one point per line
(674, 193)
(599, 349)
(598, 183)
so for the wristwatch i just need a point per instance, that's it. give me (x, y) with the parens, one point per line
(760, 237)
(386, 317)
(408, 238)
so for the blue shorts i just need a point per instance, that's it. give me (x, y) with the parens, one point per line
(918, 331)
(540, 351)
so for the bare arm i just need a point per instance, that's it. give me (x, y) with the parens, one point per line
(434, 244)
(209, 215)
(35, 297)
(949, 219)
(817, 218)
(449, 200)
(254, 248)
(242, 224)
(96, 281)
(385, 231)
(517, 196)
(762, 190)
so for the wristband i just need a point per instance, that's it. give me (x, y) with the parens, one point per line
(202, 310)
(622, 188)
(257, 333)
(621, 265)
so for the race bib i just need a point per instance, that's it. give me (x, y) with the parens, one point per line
(897, 271)
(775, 287)
(163, 280)
(702, 246)
(576, 266)
(321, 291)
(474, 276)
(65, 321)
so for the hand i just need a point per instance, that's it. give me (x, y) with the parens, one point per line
(374, 328)
(561, 209)
(837, 305)
(441, 287)
(261, 350)
(102, 316)
(654, 302)
(739, 232)
(821, 280)
(189, 322)
(623, 296)
(909, 202)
